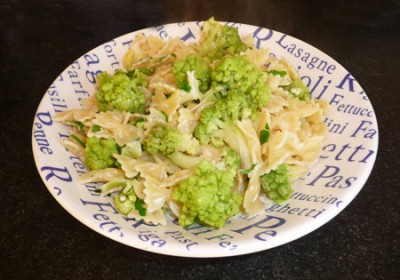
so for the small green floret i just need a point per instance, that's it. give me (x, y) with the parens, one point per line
(99, 152)
(218, 40)
(210, 122)
(225, 111)
(201, 70)
(299, 90)
(239, 74)
(124, 201)
(231, 158)
(122, 91)
(165, 139)
(276, 184)
(207, 197)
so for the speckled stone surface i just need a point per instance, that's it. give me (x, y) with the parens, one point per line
(38, 238)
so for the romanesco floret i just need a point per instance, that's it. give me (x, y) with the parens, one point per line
(209, 123)
(218, 40)
(207, 197)
(231, 159)
(241, 91)
(201, 70)
(99, 152)
(165, 139)
(238, 73)
(121, 91)
(276, 184)
(126, 200)
(234, 106)
(125, 203)
(299, 90)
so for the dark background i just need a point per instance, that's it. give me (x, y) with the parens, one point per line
(39, 239)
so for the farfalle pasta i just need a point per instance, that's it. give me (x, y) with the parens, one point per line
(264, 117)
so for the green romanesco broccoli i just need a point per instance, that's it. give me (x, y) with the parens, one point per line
(201, 70)
(276, 184)
(122, 91)
(238, 73)
(211, 121)
(126, 200)
(221, 116)
(99, 152)
(231, 160)
(165, 139)
(207, 197)
(218, 40)
(241, 91)
(299, 90)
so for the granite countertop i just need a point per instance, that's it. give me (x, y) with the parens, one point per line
(39, 39)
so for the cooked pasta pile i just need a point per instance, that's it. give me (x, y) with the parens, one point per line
(296, 130)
